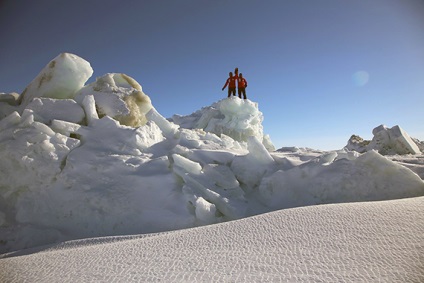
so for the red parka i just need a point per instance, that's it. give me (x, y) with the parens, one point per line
(231, 82)
(241, 82)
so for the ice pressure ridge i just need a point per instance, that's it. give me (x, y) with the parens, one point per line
(80, 161)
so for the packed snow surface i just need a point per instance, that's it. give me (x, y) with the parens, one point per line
(350, 242)
(80, 161)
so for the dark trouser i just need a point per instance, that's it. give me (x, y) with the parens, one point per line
(231, 90)
(242, 90)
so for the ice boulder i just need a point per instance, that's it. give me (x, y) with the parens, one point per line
(8, 103)
(168, 129)
(250, 169)
(419, 143)
(233, 117)
(358, 144)
(205, 211)
(387, 141)
(61, 78)
(9, 98)
(46, 110)
(120, 97)
(390, 141)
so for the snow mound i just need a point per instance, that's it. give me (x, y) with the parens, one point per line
(72, 168)
(335, 176)
(387, 141)
(234, 117)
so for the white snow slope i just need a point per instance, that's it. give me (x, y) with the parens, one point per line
(80, 161)
(354, 242)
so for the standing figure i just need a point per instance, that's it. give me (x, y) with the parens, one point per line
(231, 82)
(242, 84)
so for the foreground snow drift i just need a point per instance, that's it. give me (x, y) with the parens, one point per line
(356, 242)
(101, 161)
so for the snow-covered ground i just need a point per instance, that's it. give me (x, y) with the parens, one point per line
(351, 242)
(80, 161)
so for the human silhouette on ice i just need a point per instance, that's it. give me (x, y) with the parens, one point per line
(231, 83)
(241, 85)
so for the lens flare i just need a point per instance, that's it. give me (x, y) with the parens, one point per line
(361, 78)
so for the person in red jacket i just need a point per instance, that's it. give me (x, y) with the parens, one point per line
(241, 84)
(231, 83)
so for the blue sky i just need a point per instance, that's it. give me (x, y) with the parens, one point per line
(320, 70)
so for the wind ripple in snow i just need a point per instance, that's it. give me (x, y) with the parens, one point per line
(353, 242)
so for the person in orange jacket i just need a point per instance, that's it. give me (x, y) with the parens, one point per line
(231, 83)
(241, 84)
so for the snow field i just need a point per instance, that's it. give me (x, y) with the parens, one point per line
(350, 242)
